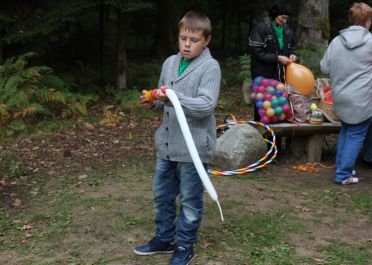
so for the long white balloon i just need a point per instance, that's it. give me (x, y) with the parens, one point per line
(192, 149)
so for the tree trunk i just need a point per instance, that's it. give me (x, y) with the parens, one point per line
(165, 36)
(238, 30)
(313, 23)
(122, 60)
(1, 54)
(101, 27)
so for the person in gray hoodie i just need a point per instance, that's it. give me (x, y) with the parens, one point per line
(348, 61)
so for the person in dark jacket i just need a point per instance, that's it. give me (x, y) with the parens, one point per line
(271, 42)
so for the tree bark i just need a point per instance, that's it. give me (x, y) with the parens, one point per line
(313, 23)
(101, 27)
(122, 60)
(1, 53)
(165, 38)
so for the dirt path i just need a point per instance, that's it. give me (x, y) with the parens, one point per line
(107, 171)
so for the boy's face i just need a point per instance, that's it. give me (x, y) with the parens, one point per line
(192, 43)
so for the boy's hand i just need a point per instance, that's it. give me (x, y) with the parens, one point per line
(161, 93)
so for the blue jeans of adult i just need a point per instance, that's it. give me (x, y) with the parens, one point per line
(367, 156)
(174, 179)
(350, 142)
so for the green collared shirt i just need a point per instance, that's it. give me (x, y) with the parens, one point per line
(279, 30)
(183, 65)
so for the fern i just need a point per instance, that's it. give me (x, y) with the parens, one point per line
(29, 90)
(245, 68)
(50, 95)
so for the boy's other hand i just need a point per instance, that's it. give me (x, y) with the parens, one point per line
(145, 100)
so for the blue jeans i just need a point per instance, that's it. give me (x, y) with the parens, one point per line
(172, 179)
(368, 145)
(350, 142)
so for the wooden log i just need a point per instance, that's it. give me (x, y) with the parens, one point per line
(293, 129)
(314, 148)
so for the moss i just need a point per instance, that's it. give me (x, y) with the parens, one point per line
(325, 29)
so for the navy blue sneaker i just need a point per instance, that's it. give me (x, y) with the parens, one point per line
(182, 255)
(155, 246)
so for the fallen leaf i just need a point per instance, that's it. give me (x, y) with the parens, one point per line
(88, 126)
(26, 227)
(205, 245)
(17, 203)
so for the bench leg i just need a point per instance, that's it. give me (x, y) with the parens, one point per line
(314, 148)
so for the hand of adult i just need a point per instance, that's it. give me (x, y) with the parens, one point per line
(293, 58)
(284, 60)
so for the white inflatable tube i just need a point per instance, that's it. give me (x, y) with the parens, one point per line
(192, 149)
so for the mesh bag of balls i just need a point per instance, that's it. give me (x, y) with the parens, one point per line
(271, 100)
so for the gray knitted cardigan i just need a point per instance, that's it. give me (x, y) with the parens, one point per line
(197, 90)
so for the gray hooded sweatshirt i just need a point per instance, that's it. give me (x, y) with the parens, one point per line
(348, 61)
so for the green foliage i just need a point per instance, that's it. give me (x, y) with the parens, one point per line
(310, 56)
(143, 75)
(245, 68)
(230, 73)
(29, 92)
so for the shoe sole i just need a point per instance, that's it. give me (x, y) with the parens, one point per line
(152, 253)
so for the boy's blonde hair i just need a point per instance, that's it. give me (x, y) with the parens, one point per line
(359, 14)
(195, 21)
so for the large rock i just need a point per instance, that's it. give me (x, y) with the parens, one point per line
(238, 147)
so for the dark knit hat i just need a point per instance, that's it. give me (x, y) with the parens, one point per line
(278, 9)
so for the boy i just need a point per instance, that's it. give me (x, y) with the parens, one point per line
(195, 78)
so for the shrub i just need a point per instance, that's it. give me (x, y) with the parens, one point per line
(30, 92)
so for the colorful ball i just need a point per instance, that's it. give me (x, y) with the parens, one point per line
(270, 89)
(258, 80)
(278, 110)
(286, 108)
(270, 112)
(274, 119)
(261, 89)
(265, 119)
(278, 92)
(275, 102)
(262, 112)
(259, 104)
(273, 82)
(282, 117)
(266, 104)
(268, 96)
(265, 82)
(253, 96)
(280, 86)
(283, 100)
(259, 96)
(254, 88)
(288, 114)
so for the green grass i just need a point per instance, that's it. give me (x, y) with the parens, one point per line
(357, 201)
(342, 253)
(259, 239)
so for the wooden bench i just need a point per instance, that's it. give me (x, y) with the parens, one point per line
(305, 135)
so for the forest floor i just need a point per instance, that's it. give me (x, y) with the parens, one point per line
(83, 196)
